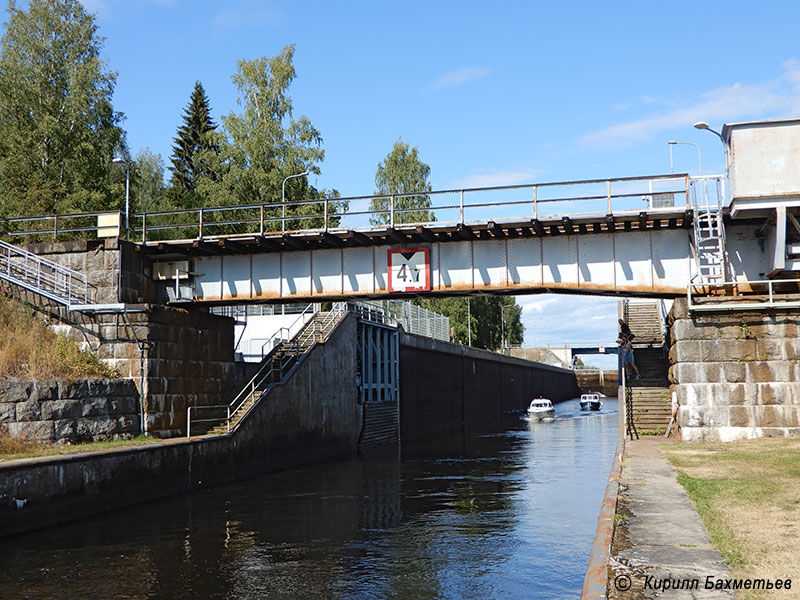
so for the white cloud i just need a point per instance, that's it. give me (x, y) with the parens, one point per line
(736, 102)
(460, 77)
(492, 178)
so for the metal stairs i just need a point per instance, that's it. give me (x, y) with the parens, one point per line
(649, 397)
(53, 281)
(276, 367)
(709, 234)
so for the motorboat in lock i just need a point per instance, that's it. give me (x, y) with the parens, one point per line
(541, 409)
(590, 402)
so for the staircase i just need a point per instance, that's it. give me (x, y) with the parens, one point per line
(276, 367)
(650, 397)
(43, 277)
(53, 281)
(709, 232)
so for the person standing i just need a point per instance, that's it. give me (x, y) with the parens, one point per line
(626, 347)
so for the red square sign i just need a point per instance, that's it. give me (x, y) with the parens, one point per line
(409, 269)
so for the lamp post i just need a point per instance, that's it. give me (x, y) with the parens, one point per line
(503, 325)
(127, 194)
(283, 198)
(704, 125)
(699, 161)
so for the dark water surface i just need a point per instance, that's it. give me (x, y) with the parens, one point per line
(505, 515)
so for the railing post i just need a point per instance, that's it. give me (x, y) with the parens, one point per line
(535, 203)
(189, 422)
(461, 206)
(391, 210)
(200, 236)
(229, 418)
(261, 221)
(55, 229)
(608, 196)
(283, 217)
(325, 213)
(144, 228)
(688, 186)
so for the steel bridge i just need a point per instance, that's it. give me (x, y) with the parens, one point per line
(655, 236)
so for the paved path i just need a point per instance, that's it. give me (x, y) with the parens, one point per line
(667, 538)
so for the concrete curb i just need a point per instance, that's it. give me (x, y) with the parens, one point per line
(596, 581)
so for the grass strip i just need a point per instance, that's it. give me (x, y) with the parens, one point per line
(13, 449)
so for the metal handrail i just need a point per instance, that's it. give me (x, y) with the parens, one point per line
(279, 334)
(255, 219)
(726, 303)
(56, 224)
(313, 332)
(45, 277)
(258, 222)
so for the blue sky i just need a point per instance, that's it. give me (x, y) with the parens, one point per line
(490, 93)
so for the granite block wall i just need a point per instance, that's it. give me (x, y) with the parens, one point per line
(69, 411)
(735, 375)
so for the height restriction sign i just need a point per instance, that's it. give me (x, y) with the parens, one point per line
(410, 269)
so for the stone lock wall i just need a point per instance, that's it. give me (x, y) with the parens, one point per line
(735, 375)
(69, 411)
(176, 357)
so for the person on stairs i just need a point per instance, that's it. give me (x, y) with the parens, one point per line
(626, 347)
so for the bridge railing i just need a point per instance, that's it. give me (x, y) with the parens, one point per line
(441, 207)
(54, 227)
(510, 203)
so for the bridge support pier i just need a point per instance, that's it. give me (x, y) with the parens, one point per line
(735, 374)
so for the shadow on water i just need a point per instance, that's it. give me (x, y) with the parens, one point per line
(508, 514)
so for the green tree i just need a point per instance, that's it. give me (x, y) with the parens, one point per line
(58, 129)
(489, 316)
(147, 183)
(266, 144)
(402, 172)
(193, 151)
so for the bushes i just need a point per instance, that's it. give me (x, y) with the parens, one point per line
(29, 350)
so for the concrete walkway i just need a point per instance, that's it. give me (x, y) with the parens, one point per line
(666, 539)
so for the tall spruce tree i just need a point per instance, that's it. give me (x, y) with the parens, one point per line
(58, 129)
(193, 150)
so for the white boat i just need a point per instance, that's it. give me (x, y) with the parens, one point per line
(540, 409)
(590, 402)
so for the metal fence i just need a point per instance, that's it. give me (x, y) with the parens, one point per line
(414, 319)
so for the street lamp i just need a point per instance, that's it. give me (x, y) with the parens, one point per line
(699, 161)
(704, 125)
(283, 197)
(503, 324)
(127, 194)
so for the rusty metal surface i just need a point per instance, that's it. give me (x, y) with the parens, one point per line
(596, 581)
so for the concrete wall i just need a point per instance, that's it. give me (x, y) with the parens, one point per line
(735, 375)
(71, 411)
(446, 388)
(315, 416)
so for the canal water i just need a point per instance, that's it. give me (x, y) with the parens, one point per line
(510, 514)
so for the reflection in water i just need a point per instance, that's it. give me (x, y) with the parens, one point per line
(504, 515)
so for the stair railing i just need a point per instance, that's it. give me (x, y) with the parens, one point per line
(44, 277)
(286, 353)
